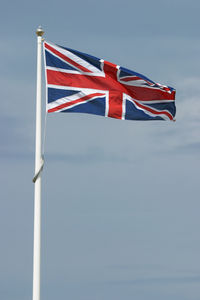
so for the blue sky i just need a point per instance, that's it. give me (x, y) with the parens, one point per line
(120, 207)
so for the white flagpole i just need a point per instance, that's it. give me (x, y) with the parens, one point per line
(38, 169)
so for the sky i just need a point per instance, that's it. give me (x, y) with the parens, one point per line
(120, 199)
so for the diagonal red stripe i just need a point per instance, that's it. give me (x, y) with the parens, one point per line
(65, 105)
(131, 78)
(67, 59)
(153, 111)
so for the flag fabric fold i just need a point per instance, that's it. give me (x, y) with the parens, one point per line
(78, 82)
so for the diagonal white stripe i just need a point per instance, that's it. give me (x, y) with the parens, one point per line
(162, 115)
(99, 74)
(74, 57)
(71, 99)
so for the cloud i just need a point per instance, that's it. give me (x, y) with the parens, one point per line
(182, 137)
(158, 280)
(91, 155)
(15, 138)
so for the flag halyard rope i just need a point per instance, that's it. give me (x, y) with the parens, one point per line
(39, 171)
(43, 147)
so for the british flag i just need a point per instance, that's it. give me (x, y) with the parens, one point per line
(78, 82)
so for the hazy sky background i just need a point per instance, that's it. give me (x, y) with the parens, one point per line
(120, 210)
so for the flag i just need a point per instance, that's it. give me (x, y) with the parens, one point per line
(79, 82)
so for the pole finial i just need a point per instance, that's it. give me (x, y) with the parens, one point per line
(39, 31)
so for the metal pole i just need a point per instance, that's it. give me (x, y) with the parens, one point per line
(38, 160)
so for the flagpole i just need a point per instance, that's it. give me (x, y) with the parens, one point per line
(38, 169)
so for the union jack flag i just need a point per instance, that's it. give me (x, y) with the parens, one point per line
(78, 82)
